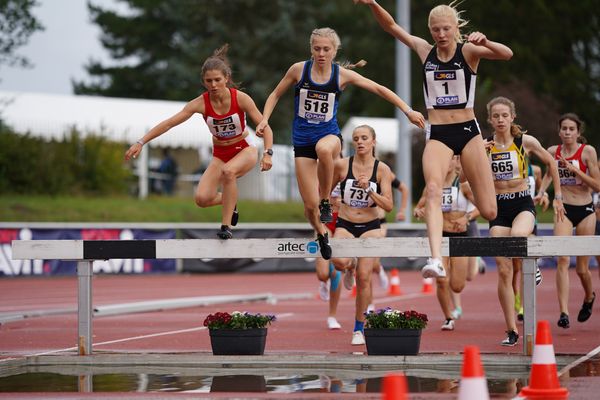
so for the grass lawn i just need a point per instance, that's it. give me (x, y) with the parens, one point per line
(21, 208)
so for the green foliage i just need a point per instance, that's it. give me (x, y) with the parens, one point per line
(17, 24)
(71, 166)
(238, 320)
(387, 318)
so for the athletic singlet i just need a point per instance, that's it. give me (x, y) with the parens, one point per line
(568, 178)
(510, 163)
(226, 126)
(453, 198)
(448, 85)
(355, 196)
(315, 107)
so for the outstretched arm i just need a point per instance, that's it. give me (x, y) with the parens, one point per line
(196, 105)
(388, 24)
(348, 77)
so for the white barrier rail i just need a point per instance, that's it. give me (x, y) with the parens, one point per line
(86, 251)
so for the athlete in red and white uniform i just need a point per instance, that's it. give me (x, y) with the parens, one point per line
(579, 176)
(224, 109)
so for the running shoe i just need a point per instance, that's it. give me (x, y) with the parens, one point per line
(384, 281)
(370, 307)
(349, 275)
(358, 338)
(433, 269)
(563, 321)
(538, 276)
(235, 216)
(482, 265)
(225, 233)
(324, 245)
(456, 313)
(511, 339)
(332, 323)
(324, 291)
(448, 325)
(325, 211)
(586, 310)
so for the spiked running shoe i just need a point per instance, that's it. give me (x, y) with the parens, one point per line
(563, 321)
(324, 291)
(511, 339)
(358, 338)
(324, 245)
(433, 269)
(225, 233)
(448, 325)
(586, 310)
(538, 276)
(325, 211)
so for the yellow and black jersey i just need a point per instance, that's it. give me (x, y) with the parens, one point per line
(510, 163)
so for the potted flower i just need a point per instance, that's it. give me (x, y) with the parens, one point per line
(393, 332)
(238, 333)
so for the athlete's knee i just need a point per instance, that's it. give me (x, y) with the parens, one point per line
(202, 200)
(457, 287)
(228, 174)
(562, 262)
(433, 192)
(441, 282)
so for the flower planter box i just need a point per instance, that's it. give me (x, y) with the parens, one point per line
(392, 342)
(249, 342)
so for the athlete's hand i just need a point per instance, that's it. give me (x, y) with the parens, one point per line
(416, 118)
(568, 165)
(260, 128)
(559, 210)
(419, 212)
(266, 163)
(541, 199)
(400, 216)
(477, 38)
(364, 1)
(133, 151)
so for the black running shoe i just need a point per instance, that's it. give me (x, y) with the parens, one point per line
(563, 321)
(538, 276)
(235, 216)
(511, 339)
(520, 316)
(324, 246)
(225, 233)
(586, 310)
(325, 211)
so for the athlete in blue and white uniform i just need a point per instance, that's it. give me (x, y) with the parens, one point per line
(318, 84)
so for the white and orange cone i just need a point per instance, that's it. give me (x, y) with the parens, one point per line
(473, 384)
(353, 291)
(394, 289)
(543, 380)
(394, 387)
(427, 285)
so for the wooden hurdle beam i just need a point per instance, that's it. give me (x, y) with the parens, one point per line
(86, 251)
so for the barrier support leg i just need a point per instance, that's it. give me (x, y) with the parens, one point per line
(84, 307)
(529, 305)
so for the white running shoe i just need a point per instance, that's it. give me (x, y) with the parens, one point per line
(332, 323)
(370, 307)
(456, 313)
(448, 325)
(358, 338)
(324, 291)
(433, 269)
(384, 281)
(349, 275)
(538, 276)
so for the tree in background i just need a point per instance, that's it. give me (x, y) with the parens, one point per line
(158, 48)
(17, 24)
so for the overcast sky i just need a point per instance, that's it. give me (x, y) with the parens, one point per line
(60, 52)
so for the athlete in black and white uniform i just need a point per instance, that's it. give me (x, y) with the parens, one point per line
(365, 186)
(449, 69)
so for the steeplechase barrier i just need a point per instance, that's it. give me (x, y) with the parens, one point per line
(86, 251)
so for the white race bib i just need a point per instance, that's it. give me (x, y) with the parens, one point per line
(446, 88)
(567, 177)
(505, 165)
(357, 197)
(225, 128)
(316, 107)
(449, 199)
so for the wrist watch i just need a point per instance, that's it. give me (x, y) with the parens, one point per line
(268, 151)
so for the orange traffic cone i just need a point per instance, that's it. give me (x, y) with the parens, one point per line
(427, 285)
(394, 387)
(473, 384)
(543, 380)
(353, 291)
(394, 289)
